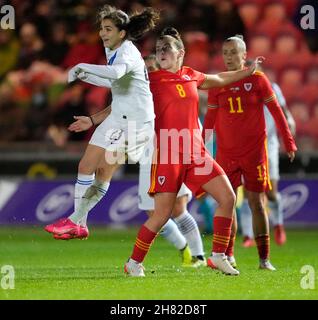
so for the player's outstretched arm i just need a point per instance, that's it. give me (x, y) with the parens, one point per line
(83, 123)
(224, 78)
(113, 72)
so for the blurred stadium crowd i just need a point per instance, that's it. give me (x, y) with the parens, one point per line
(37, 104)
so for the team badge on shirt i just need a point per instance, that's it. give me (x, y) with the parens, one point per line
(161, 180)
(248, 86)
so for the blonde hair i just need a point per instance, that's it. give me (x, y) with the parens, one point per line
(239, 39)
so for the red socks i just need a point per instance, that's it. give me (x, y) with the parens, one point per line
(262, 243)
(230, 248)
(222, 233)
(143, 242)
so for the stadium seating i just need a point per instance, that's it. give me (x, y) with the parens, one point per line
(249, 12)
(259, 44)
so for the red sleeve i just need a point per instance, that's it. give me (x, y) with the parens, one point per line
(213, 99)
(208, 124)
(210, 117)
(265, 87)
(276, 111)
(196, 75)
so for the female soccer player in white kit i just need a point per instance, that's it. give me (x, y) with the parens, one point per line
(131, 118)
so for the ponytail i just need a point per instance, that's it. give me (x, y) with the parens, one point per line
(141, 23)
(135, 25)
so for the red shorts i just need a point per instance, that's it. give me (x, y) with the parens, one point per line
(250, 170)
(169, 177)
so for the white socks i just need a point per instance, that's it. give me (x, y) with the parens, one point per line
(171, 233)
(93, 194)
(246, 220)
(190, 230)
(83, 182)
(276, 215)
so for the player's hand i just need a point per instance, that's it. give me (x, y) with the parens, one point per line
(291, 155)
(292, 126)
(82, 123)
(258, 60)
(75, 73)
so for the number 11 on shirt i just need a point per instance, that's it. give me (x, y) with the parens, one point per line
(239, 105)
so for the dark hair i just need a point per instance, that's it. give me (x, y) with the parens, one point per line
(173, 33)
(136, 25)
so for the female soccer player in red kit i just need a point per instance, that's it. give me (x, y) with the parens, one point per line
(236, 112)
(175, 95)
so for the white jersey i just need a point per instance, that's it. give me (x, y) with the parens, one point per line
(126, 75)
(272, 137)
(271, 129)
(131, 93)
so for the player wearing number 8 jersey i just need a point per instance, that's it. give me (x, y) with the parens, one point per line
(179, 160)
(236, 113)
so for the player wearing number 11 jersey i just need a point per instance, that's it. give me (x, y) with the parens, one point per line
(236, 113)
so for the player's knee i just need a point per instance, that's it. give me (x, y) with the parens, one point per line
(228, 200)
(257, 207)
(85, 167)
(102, 174)
(160, 220)
(179, 207)
(272, 196)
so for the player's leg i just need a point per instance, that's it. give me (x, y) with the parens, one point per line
(230, 248)
(256, 202)
(189, 228)
(246, 220)
(206, 175)
(276, 213)
(166, 180)
(94, 193)
(206, 209)
(173, 235)
(273, 196)
(220, 189)
(256, 182)
(86, 175)
(164, 203)
(170, 230)
(99, 187)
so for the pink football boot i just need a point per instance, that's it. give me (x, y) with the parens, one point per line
(80, 233)
(62, 226)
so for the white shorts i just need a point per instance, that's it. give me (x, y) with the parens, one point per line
(123, 135)
(273, 160)
(146, 202)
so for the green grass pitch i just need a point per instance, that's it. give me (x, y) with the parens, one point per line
(93, 269)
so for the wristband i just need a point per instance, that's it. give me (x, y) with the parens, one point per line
(92, 120)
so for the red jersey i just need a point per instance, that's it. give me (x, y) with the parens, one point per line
(176, 104)
(240, 122)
